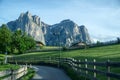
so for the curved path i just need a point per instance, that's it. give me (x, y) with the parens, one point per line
(49, 73)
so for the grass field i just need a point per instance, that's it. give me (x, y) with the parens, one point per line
(100, 53)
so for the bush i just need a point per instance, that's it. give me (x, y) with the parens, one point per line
(41, 47)
(64, 48)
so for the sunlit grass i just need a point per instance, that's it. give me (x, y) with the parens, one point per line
(100, 53)
(8, 67)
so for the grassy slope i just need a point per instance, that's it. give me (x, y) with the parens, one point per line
(106, 52)
(101, 53)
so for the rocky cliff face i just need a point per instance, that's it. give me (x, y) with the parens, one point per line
(64, 33)
(29, 24)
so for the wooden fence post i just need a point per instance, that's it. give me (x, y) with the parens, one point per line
(76, 65)
(12, 73)
(80, 66)
(16, 62)
(94, 67)
(50, 59)
(86, 66)
(108, 69)
(73, 64)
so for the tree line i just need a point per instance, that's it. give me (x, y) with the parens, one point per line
(14, 42)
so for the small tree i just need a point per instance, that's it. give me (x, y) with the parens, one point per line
(118, 40)
(99, 43)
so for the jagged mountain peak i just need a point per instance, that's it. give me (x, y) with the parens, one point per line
(26, 17)
(27, 14)
(66, 21)
(82, 26)
(30, 24)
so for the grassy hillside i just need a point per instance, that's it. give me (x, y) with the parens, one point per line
(100, 53)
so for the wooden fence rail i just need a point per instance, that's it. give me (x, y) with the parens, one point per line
(13, 74)
(76, 65)
(82, 67)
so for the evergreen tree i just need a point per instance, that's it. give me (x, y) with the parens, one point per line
(118, 40)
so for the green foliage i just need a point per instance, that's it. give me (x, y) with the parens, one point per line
(9, 66)
(17, 41)
(64, 48)
(5, 39)
(41, 47)
(22, 42)
(118, 40)
(99, 43)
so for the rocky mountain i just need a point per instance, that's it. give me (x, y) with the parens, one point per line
(29, 24)
(64, 33)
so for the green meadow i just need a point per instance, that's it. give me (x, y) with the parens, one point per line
(111, 52)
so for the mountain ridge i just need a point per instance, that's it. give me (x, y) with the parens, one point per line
(64, 33)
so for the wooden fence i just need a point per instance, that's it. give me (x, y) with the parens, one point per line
(13, 74)
(82, 67)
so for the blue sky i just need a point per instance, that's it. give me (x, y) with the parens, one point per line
(101, 17)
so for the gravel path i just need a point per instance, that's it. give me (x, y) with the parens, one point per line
(49, 73)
